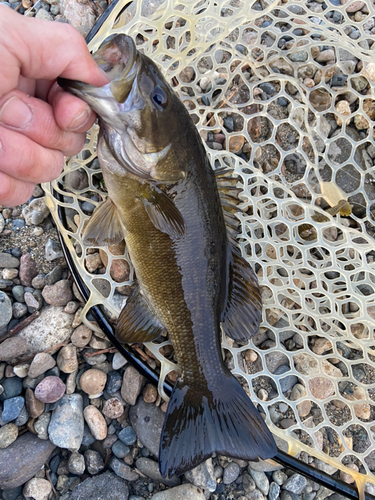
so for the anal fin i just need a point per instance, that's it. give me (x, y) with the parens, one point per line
(243, 311)
(104, 228)
(137, 323)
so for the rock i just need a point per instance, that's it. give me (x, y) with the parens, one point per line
(58, 294)
(150, 393)
(18, 293)
(39, 282)
(6, 310)
(261, 480)
(53, 250)
(50, 389)
(8, 434)
(93, 381)
(12, 408)
(231, 473)
(306, 364)
(321, 387)
(76, 464)
(10, 274)
(41, 425)
(274, 491)
(46, 16)
(28, 269)
(19, 310)
(31, 302)
(295, 484)
(41, 363)
(93, 461)
(120, 270)
(263, 466)
(128, 436)
(183, 492)
(203, 476)
(67, 359)
(33, 405)
(96, 422)
(97, 488)
(113, 408)
(66, 427)
(119, 449)
(131, 385)
(37, 488)
(114, 381)
(150, 468)
(118, 361)
(35, 212)
(52, 327)
(322, 344)
(123, 470)
(15, 465)
(12, 387)
(12, 349)
(147, 421)
(81, 336)
(7, 260)
(298, 392)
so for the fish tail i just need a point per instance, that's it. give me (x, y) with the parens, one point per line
(200, 422)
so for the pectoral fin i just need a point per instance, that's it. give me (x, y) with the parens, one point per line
(243, 310)
(136, 322)
(163, 213)
(104, 228)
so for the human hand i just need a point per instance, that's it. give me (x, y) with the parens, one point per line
(39, 122)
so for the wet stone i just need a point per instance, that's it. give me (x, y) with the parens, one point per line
(8, 434)
(50, 389)
(120, 450)
(54, 276)
(93, 461)
(128, 436)
(231, 473)
(122, 470)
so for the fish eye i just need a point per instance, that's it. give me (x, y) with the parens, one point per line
(159, 97)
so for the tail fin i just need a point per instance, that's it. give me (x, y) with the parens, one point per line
(199, 423)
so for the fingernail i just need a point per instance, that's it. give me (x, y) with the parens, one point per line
(15, 113)
(79, 120)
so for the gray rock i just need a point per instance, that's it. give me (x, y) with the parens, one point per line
(19, 310)
(18, 293)
(231, 473)
(35, 212)
(203, 476)
(52, 327)
(119, 449)
(295, 484)
(12, 408)
(93, 461)
(7, 260)
(263, 466)
(118, 361)
(150, 468)
(54, 276)
(98, 488)
(279, 477)
(114, 382)
(42, 362)
(41, 425)
(261, 480)
(22, 418)
(66, 427)
(131, 385)
(128, 436)
(274, 491)
(15, 465)
(147, 421)
(12, 388)
(6, 311)
(8, 434)
(123, 470)
(13, 493)
(184, 492)
(53, 250)
(76, 463)
(12, 349)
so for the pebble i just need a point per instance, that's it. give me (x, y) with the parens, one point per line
(81, 336)
(52, 327)
(7, 260)
(67, 359)
(28, 269)
(88, 438)
(97, 488)
(151, 469)
(71, 382)
(147, 421)
(37, 489)
(41, 363)
(6, 310)
(76, 463)
(123, 470)
(41, 425)
(96, 422)
(33, 405)
(295, 484)
(22, 418)
(35, 212)
(31, 302)
(50, 389)
(150, 393)
(274, 491)
(66, 427)
(113, 408)
(19, 310)
(321, 387)
(8, 434)
(131, 385)
(18, 293)
(93, 381)
(21, 370)
(12, 388)
(231, 473)
(54, 276)
(10, 274)
(15, 465)
(58, 294)
(183, 492)
(53, 250)
(118, 361)
(128, 436)
(203, 476)
(279, 477)
(114, 381)
(261, 480)
(120, 450)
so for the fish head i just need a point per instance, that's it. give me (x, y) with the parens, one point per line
(139, 113)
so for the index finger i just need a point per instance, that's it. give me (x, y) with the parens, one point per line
(39, 49)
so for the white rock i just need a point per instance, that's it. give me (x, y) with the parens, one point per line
(37, 489)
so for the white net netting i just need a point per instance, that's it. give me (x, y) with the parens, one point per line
(283, 92)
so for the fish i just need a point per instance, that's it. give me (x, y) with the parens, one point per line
(177, 216)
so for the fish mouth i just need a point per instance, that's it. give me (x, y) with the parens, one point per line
(116, 57)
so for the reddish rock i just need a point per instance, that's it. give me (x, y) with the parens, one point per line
(50, 389)
(28, 269)
(113, 408)
(58, 294)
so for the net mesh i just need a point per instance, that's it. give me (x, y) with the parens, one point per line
(283, 93)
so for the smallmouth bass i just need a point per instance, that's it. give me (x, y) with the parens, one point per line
(177, 217)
